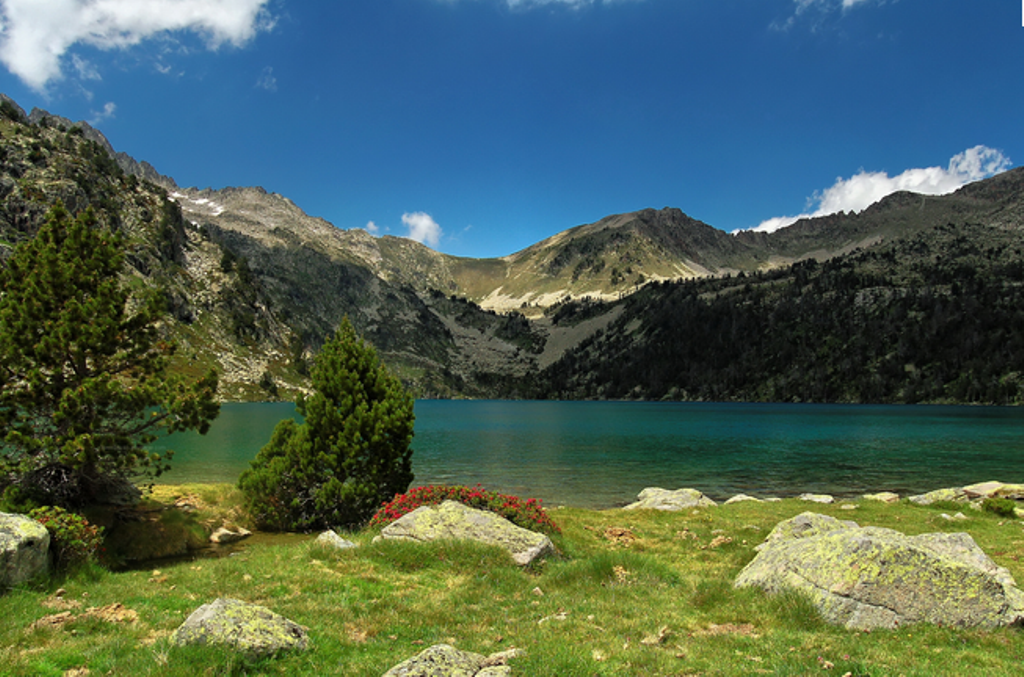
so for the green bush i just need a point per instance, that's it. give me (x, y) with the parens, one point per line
(1004, 507)
(528, 514)
(351, 453)
(73, 541)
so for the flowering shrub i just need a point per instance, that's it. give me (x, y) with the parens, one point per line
(73, 541)
(528, 514)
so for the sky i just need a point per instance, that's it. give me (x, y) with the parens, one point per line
(480, 127)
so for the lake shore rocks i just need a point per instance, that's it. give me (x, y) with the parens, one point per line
(248, 628)
(870, 577)
(656, 498)
(24, 549)
(454, 521)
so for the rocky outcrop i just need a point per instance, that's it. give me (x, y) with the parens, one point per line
(24, 549)
(443, 660)
(248, 628)
(454, 521)
(656, 498)
(870, 577)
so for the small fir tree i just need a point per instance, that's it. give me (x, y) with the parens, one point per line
(350, 455)
(83, 373)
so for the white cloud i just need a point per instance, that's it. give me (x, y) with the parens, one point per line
(267, 80)
(422, 228)
(866, 188)
(107, 113)
(36, 34)
(819, 9)
(372, 228)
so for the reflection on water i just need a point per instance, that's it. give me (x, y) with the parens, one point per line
(600, 454)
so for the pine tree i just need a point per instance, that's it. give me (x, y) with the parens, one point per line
(83, 371)
(349, 456)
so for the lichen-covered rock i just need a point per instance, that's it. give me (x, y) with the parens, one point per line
(443, 660)
(332, 541)
(870, 577)
(454, 521)
(817, 498)
(24, 549)
(656, 498)
(954, 494)
(249, 628)
(883, 497)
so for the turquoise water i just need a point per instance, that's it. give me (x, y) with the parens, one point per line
(601, 454)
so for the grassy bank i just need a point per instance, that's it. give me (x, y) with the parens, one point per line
(633, 593)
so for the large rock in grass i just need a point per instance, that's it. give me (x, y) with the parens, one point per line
(443, 660)
(870, 577)
(454, 521)
(656, 498)
(248, 628)
(24, 549)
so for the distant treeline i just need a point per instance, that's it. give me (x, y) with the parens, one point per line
(936, 318)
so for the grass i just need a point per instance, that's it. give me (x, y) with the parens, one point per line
(632, 593)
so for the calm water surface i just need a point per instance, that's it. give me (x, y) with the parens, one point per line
(601, 454)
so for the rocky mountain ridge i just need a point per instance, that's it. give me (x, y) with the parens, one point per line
(254, 284)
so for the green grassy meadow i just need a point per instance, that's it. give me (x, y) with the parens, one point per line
(631, 593)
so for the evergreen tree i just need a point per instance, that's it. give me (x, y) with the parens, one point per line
(349, 456)
(83, 382)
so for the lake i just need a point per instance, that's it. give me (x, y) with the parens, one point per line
(601, 454)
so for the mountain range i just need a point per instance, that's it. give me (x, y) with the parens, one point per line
(646, 304)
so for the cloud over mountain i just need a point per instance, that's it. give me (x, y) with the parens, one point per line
(865, 188)
(422, 228)
(35, 35)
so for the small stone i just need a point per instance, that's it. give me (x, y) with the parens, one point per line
(223, 535)
(739, 498)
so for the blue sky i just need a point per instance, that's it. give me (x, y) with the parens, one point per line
(483, 126)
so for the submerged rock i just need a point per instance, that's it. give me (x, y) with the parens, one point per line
(870, 577)
(455, 521)
(24, 549)
(656, 498)
(249, 628)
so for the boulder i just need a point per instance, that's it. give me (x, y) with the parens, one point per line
(883, 497)
(739, 498)
(994, 490)
(870, 577)
(223, 535)
(24, 549)
(454, 521)
(656, 498)
(953, 494)
(443, 660)
(248, 628)
(331, 540)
